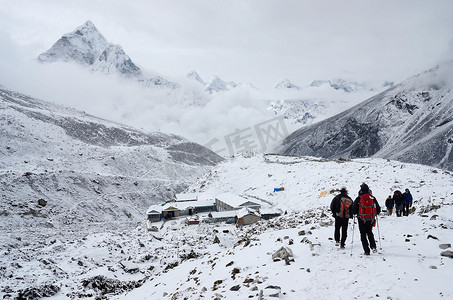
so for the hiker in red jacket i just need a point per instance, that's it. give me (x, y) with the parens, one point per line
(366, 208)
(340, 208)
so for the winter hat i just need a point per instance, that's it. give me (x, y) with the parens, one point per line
(343, 189)
(364, 189)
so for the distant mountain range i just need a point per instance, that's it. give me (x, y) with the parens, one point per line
(351, 86)
(410, 122)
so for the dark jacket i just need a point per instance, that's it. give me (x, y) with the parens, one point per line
(335, 205)
(389, 202)
(356, 205)
(407, 198)
(398, 198)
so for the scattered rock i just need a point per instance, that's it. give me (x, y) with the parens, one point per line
(42, 202)
(216, 240)
(229, 264)
(235, 288)
(39, 292)
(216, 283)
(433, 267)
(444, 246)
(432, 237)
(282, 253)
(447, 253)
(234, 272)
(272, 291)
(302, 232)
(433, 217)
(129, 267)
(104, 285)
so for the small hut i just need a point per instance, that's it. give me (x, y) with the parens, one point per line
(247, 216)
(154, 213)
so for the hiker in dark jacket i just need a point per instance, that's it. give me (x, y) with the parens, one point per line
(389, 203)
(407, 202)
(340, 207)
(398, 198)
(366, 208)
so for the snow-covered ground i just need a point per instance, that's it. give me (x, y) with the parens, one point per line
(184, 262)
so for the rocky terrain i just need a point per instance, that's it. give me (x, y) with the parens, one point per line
(64, 173)
(291, 257)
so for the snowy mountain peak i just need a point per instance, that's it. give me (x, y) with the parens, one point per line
(87, 46)
(219, 85)
(193, 75)
(286, 84)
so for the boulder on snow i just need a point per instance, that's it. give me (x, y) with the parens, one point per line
(47, 290)
(282, 253)
(444, 246)
(129, 267)
(270, 291)
(447, 253)
(42, 202)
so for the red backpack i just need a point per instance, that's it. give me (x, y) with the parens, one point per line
(345, 203)
(367, 209)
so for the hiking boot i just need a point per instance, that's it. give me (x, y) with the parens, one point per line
(374, 250)
(367, 253)
(337, 243)
(342, 247)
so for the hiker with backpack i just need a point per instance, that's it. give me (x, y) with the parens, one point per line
(366, 208)
(389, 204)
(340, 207)
(407, 202)
(398, 198)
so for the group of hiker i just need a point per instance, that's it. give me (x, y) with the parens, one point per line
(366, 207)
(401, 202)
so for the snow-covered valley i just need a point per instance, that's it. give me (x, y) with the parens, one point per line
(185, 262)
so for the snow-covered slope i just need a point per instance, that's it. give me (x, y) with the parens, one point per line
(92, 174)
(410, 122)
(221, 261)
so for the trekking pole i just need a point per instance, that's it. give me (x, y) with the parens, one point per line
(353, 226)
(379, 234)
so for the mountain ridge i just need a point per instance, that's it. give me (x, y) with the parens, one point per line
(410, 122)
(91, 173)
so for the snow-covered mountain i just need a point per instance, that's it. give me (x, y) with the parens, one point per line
(193, 75)
(351, 86)
(86, 46)
(410, 122)
(219, 85)
(91, 174)
(216, 84)
(286, 84)
(319, 100)
(209, 261)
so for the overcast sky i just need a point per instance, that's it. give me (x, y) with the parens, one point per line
(250, 41)
(258, 42)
